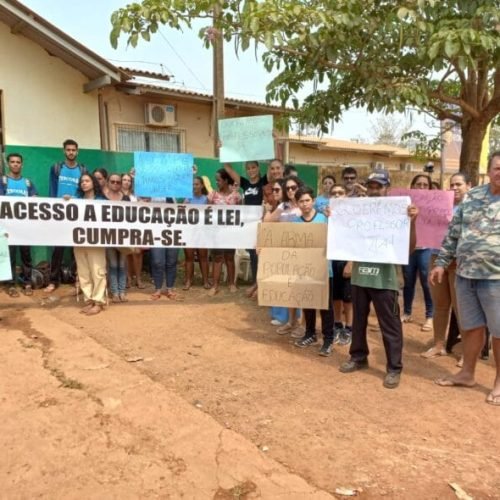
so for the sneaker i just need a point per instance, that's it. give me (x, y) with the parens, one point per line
(306, 341)
(427, 326)
(276, 322)
(298, 332)
(391, 380)
(326, 348)
(336, 335)
(345, 337)
(285, 329)
(352, 366)
(406, 318)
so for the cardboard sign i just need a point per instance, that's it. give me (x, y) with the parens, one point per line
(293, 269)
(161, 175)
(248, 138)
(5, 269)
(375, 229)
(435, 211)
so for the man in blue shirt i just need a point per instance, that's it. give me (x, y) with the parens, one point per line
(63, 182)
(14, 184)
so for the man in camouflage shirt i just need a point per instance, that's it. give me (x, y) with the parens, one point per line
(474, 240)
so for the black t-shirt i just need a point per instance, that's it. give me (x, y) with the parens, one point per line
(253, 193)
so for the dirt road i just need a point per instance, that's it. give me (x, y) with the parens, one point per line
(201, 399)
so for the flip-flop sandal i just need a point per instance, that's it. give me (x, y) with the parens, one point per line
(28, 290)
(12, 292)
(207, 286)
(186, 287)
(446, 382)
(155, 296)
(493, 399)
(173, 296)
(50, 288)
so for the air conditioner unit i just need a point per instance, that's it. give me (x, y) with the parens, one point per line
(160, 115)
(378, 165)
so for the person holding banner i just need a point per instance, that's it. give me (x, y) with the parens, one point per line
(14, 184)
(117, 259)
(253, 194)
(199, 198)
(64, 180)
(473, 239)
(443, 293)
(91, 261)
(418, 265)
(305, 200)
(287, 211)
(224, 195)
(378, 283)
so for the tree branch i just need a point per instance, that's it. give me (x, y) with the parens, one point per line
(453, 100)
(444, 113)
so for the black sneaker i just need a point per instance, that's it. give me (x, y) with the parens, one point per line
(352, 366)
(306, 341)
(326, 349)
(391, 380)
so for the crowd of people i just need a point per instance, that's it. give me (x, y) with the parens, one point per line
(462, 277)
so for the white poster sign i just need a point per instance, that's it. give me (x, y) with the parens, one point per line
(57, 222)
(375, 229)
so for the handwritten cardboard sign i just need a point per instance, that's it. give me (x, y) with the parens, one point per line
(293, 270)
(374, 229)
(161, 175)
(5, 269)
(248, 138)
(435, 211)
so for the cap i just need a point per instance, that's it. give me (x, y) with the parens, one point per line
(380, 176)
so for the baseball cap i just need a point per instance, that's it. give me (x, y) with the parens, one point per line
(380, 176)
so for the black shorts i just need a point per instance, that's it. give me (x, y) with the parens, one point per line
(341, 285)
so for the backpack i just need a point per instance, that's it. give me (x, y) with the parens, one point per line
(58, 166)
(5, 180)
(40, 275)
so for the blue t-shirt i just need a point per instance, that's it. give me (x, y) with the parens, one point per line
(68, 181)
(321, 203)
(197, 200)
(318, 218)
(17, 187)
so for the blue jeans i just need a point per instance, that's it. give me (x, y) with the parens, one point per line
(164, 263)
(418, 263)
(117, 271)
(478, 302)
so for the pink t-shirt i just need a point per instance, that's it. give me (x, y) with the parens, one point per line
(216, 198)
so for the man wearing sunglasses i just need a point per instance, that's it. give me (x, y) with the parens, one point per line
(350, 179)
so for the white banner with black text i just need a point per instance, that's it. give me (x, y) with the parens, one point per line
(77, 222)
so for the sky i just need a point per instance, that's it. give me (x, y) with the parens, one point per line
(180, 54)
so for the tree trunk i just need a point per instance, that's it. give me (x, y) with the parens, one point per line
(473, 132)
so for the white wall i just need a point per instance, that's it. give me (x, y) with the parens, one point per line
(43, 99)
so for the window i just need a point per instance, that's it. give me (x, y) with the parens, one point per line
(138, 138)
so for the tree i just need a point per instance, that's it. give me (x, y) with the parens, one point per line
(441, 57)
(389, 130)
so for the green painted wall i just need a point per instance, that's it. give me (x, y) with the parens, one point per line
(38, 160)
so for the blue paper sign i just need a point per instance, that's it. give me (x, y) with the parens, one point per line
(245, 139)
(158, 175)
(5, 269)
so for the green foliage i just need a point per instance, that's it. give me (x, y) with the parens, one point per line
(439, 56)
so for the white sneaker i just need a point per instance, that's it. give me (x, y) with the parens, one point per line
(427, 326)
(276, 322)
(406, 318)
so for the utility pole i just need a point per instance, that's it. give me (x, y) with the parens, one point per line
(218, 78)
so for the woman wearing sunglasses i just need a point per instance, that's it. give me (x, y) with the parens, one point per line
(287, 211)
(117, 261)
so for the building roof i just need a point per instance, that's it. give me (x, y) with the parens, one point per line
(329, 143)
(28, 23)
(136, 87)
